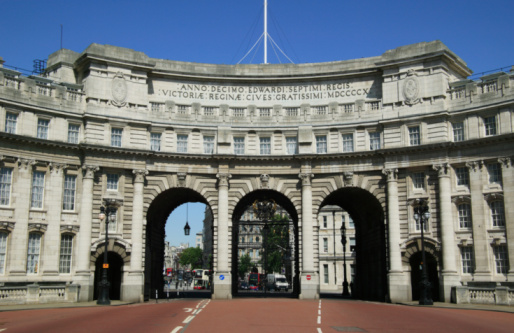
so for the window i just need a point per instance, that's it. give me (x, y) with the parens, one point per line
(73, 133)
(3, 251)
(458, 132)
(325, 244)
(373, 106)
(155, 141)
(320, 110)
(495, 173)
(5, 186)
(209, 111)
(10, 122)
(181, 143)
(352, 244)
(112, 181)
(324, 222)
(208, 145)
(292, 145)
(464, 211)
(418, 180)
(38, 187)
(265, 146)
(291, 112)
(238, 112)
(321, 144)
(70, 185)
(467, 259)
(325, 273)
(33, 253)
(65, 255)
(265, 112)
(348, 108)
(414, 136)
(348, 142)
(501, 260)
(497, 214)
(462, 176)
(490, 126)
(239, 146)
(156, 107)
(351, 224)
(42, 128)
(182, 109)
(116, 137)
(374, 140)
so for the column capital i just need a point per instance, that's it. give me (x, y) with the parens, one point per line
(90, 170)
(306, 178)
(506, 162)
(443, 169)
(24, 163)
(391, 174)
(223, 178)
(139, 175)
(57, 167)
(475, 166)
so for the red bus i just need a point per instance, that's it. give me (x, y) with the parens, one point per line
(256, 280)
(169, 271)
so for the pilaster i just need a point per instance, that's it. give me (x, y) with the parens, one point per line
(222, 276)
(508, 203)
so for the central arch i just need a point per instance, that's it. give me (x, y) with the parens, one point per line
(286, 204)
(158, 213)
(370, 240)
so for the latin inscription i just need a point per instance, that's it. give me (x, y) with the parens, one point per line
(340, 90)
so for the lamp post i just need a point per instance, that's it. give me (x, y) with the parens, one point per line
(346, 293)
(421, 215)
(108, 214)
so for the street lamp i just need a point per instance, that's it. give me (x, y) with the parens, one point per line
(421, 215)
(346, 293)
(108, 214)
(187, 228)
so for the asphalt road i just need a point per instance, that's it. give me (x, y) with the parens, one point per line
(256, 315)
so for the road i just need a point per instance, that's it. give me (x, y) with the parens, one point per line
(256, 315)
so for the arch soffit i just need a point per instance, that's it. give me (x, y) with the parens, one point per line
(116, 245)
(413, 246)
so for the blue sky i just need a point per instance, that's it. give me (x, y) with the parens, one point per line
(221, 32)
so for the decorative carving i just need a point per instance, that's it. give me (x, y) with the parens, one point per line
(264, 209)
(24, 163)
(223, 178)
(461, 199)
(391, 174)
(411, 89)
(8, 226)
(119, 90)
(70, 228)
(306, 178)
(90, 170)
(37, 227)
(505, 162)
(140, 175)
(264, 181)
(57, 167)
(348, 178)
(474, 165)
(442, 169)
(181, 177)
(490, 197)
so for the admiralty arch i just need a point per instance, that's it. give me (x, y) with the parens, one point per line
(374, 136)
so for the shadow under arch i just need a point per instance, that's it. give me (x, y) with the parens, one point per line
(370, 240)
(156, 217)
(239, 210)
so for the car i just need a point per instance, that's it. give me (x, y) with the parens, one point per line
(243, 285)
(281, 283)
(252, 287)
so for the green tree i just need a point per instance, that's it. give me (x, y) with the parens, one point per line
(276, 243)
(191, 256)
(244, 265)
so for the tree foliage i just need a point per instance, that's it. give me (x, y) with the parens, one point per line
(244, 265)
(276, 243)
(191, 256)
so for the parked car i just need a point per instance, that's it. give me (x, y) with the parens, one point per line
(253, 287)
(243, 286)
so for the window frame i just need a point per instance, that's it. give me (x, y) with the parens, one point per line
(265, 145)
(374, 138)
(321, 144)
(11, 124)
(43, 126)
(348, 143)
(33, 258)
(116, 137)
(73, 133)
(65, 258)
(182, 143)
(5, 186)
(37, 190)
(69, 194)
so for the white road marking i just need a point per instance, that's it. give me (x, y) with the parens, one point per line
(188, 319)
(319, 312)
(319, 330)
(188, 309)
(176, 329)
(319, 319)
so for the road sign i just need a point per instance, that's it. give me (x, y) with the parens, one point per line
(308, 277)
(106, 265)
(222, 277)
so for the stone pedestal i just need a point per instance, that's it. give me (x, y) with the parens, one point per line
(399, 287)
(222, 286)
(448, 281)
(132, 287)
(309, 286)
(86, 283)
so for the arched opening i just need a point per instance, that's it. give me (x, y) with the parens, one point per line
(272, 246)
(416, 275)
(114, 274)
(369, 252)
(158, 212)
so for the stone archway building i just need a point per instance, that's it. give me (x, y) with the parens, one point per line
(372, 135)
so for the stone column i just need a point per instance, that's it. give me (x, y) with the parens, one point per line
(132, 289)
(508, 204)
(222, 277)
(83, 273)
(21, 191)
(53, 203)
(309, 279)
(398, 281)
(450, 277)
(480, 242)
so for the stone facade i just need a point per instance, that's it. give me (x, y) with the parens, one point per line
(372, 136)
